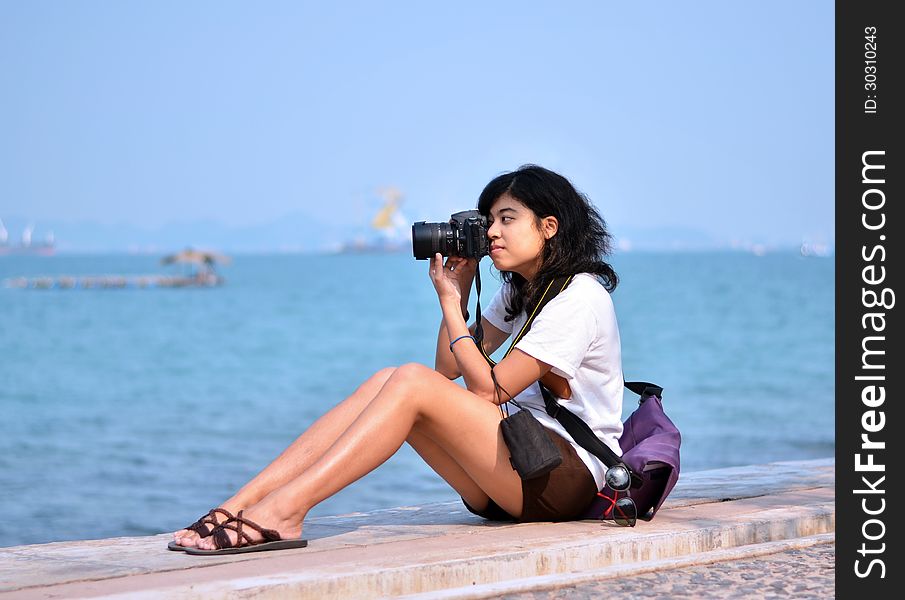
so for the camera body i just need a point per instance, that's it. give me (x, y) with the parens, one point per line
(464, 235)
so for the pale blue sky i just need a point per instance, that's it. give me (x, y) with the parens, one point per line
(716, 116)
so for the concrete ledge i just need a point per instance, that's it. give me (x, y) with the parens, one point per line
(576, 578)
(441, 549)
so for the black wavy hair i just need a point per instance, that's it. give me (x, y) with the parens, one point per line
(579, 246)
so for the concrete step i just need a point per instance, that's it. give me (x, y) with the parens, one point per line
(622, 572)
(442, 550)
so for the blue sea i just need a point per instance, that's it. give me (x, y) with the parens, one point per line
(133, 411)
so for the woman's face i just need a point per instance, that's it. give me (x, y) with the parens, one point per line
(516, 242)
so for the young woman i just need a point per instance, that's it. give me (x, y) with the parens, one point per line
(540, 228)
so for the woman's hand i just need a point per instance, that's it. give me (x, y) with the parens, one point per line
(454, 278)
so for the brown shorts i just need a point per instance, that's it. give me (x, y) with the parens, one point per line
(560, 495)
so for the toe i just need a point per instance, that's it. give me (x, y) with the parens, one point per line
(188, 540)
(206, 544)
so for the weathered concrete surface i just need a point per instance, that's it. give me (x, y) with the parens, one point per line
(803, 569)
(442, 550)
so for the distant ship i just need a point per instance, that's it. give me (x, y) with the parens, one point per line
(25, 247)
(201, 273)
(820, 249)
(392, 232)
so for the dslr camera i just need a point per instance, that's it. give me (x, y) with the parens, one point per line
(464, 235)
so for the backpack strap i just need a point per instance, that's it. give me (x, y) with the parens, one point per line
(645, 389)
(585, 437)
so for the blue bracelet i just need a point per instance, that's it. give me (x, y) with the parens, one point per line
(461, 337)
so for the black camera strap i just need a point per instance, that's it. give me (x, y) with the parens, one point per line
(553, 288)
(583, 435)
(478, 327)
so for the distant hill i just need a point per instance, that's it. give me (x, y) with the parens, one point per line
(298, 232)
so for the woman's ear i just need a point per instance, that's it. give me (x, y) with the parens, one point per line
(549, 226)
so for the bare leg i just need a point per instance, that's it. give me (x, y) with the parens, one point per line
(302, 453)
(463, 425)
(447, 468)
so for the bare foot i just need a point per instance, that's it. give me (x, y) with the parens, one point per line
(268, 514)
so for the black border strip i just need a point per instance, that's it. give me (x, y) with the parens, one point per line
(868, 272)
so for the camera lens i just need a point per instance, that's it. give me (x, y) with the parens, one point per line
(430, 238)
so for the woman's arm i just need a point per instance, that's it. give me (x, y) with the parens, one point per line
(446, 361)
(461, 279)
(514, 373)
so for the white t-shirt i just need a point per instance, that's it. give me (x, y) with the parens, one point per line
(577, 335)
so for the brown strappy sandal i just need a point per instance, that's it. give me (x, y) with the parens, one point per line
(244, 543)
(201, 526)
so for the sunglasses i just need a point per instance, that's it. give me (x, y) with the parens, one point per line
(623, 510)
(618, 478)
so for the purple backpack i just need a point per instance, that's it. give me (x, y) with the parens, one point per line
(650, 447)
